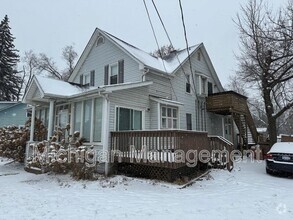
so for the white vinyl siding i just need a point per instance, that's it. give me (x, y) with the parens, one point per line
(107, 54)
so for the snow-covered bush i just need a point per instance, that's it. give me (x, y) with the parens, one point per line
(64, 156)
(13, 139)
(12, 142)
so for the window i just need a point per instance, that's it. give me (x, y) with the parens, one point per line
(62, 116)
(87, 113)
(98, 119)
(114, 74)
(188, 84)
(198, 56)
(128, 119)
(203, 85)
(169, 117)
(92, 78)
(77, 116)
(88, 119)
(86, 79)
(210, 88)
(188, 121)
(100, 41)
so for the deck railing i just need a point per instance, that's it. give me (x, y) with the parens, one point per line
(226, 102)
(219, 144)
(161, 148)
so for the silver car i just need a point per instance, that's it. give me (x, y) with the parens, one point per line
(280, 158)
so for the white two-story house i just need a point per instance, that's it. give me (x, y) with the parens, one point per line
(118, 87)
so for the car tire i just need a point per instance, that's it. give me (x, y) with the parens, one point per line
(268, 171)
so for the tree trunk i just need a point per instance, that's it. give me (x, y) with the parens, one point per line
(272, 122)
(272, 127)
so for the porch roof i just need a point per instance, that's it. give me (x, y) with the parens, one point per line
(42, 89)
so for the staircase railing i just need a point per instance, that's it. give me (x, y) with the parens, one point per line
(221, 151)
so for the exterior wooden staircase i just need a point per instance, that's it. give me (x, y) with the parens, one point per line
(232, 103)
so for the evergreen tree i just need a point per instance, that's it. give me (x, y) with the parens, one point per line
(9, 79)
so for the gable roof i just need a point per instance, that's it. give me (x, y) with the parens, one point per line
(45, 87)
(165, 66)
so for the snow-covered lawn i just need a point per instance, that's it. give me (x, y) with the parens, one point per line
(245, 193)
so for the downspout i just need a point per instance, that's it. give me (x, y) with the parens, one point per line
(145, 71)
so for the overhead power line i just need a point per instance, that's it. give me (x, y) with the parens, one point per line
(154, 33)
(168, 36)
(186, 41)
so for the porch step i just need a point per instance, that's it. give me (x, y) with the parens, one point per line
(33, 170)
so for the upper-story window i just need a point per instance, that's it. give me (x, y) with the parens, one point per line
(86, 79)
(187, 84)
(203, 85)
(210, 88)
(198, 56)
(113, 76)
(100, 40)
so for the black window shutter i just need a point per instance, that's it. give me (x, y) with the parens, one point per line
(81, 79)
(92, 79)
(121, 71)
(106, 75)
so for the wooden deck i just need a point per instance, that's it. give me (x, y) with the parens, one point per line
(225, 103)
(160, 145)
(232, 103)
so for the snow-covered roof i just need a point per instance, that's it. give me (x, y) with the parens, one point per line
(282, 147)
(55, 87)
(42, 88)
(165, 65)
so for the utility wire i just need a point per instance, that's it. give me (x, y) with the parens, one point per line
(147, 11)
(186, 41)
(168, 36)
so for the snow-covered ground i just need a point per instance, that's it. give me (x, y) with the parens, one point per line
(245, 193)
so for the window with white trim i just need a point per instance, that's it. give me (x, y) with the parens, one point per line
(128, 119)
(113, 76)
(169, 117)
(88, 119)
(86, 80)
(187, 83)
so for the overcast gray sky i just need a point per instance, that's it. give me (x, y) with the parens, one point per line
(49, 25)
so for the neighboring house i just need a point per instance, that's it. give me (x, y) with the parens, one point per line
(118, 87)
(12, 113)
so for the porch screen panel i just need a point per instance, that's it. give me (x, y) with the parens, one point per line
(77, 116)
(87, 120)
(98, 119)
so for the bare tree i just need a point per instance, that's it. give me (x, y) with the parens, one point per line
(236, 85)
(47, 64)
(69, 55)
(266, 57)
(41, 63)
(30, 61)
